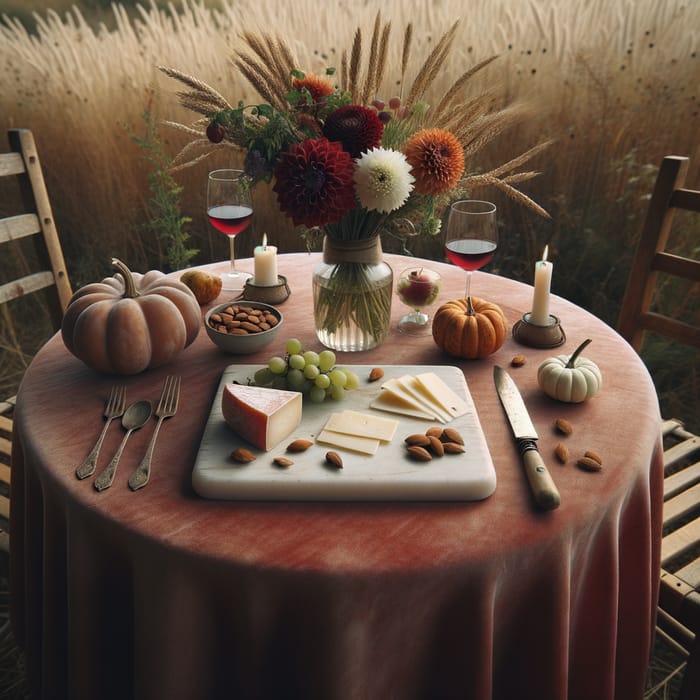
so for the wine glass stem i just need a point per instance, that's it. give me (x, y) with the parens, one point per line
(469, 280)
(470, 308)
(231, 242)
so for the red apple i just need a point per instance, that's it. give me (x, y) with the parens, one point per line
(418, 289)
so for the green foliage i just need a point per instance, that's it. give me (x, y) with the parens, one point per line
(165, 219)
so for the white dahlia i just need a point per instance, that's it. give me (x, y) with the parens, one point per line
(383, 179)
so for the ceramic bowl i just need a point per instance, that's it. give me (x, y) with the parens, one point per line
(242, 344)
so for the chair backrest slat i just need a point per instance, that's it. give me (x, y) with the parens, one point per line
(651, 257)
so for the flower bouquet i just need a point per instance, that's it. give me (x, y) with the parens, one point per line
(347, 164)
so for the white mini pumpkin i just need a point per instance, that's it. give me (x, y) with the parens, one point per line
(571, 379)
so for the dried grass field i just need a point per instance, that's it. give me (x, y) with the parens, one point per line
(615, 82)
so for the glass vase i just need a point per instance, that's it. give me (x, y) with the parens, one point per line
(352, 291)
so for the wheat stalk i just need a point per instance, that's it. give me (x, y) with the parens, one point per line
(355, 58)
(199, 87)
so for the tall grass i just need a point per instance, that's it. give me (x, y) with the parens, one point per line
(616, 82)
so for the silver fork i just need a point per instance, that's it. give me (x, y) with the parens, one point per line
(114, 408)
(167, 407)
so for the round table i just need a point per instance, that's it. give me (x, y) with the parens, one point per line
(162, 594)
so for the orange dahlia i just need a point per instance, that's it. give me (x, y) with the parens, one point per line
(317, 87)
(437, 160)
(314, 182)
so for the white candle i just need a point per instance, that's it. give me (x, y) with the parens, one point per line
(265, 264)
(540, 301)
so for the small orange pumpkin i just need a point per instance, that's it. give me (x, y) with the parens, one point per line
(469, 335)
(130, 322)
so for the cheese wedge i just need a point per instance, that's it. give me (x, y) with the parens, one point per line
(441, 394)
(355, 443)
(260, 415)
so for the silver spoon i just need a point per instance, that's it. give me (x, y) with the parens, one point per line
(135, 417)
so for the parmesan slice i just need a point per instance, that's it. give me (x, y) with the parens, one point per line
(442, 394)
(355, 443)
(362, 424)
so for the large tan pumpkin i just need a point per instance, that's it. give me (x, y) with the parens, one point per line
(469, 336)
(130, 322)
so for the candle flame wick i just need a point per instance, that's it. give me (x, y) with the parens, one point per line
(264, 241)
(544, 254)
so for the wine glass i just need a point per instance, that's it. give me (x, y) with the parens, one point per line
(471, 237)
(229, 210)
(417, 287)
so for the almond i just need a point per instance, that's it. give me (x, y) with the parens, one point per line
(376, 373)
(594, 455)
(240, 454)
(452, 448)
(282, 462)
(451, 435)
(419, 453)
(418, 439)
(435, 431)
(334, 459)
(563, 426)
(518, 361)
(299, 445)
(436, 447)
(589, 464)
(562, 452)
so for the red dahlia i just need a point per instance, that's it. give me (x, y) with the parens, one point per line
(358, 128)
(314, 183)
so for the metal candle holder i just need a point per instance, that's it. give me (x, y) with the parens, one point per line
(269, 293)
(550, 336)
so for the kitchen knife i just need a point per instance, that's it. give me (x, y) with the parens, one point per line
(541, 483)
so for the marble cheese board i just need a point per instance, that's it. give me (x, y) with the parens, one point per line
(389, 475)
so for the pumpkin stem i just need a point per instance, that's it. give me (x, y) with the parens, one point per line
(129, 286)
(572, 360)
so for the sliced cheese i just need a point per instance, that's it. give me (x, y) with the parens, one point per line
(391, 403)
(411, 385)
(395, 388)
(260, 415)
(441, 394)
(355, 443)
(362, 424)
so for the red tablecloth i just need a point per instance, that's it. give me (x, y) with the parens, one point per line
(162, 594)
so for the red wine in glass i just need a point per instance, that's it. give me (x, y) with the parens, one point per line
(470, 253)
(471, 237)
(230, 210)
(230, 219)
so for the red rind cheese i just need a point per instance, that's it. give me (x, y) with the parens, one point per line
(262, 416)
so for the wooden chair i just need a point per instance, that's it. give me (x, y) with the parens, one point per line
(678, 619)
(33, 223)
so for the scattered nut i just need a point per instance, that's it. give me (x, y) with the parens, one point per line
(376, 373)
(594, 455)
(451, 435)
(299, 445)
(453, 448)
(436, 446)
(418, 439)
(518, 361)
(563, 426)
(562, 452)
(334, 459)
(282, 462)
(240, 454)
(589, 464)
(419, 453)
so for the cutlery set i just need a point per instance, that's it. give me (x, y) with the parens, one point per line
(132, 417)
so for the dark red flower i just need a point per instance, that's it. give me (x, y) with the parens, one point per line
(314, 182)
(358, 128)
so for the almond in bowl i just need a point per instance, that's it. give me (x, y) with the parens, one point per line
(242, 328)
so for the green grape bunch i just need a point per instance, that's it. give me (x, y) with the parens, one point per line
(314, 374)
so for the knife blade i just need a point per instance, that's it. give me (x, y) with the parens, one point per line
(541, 483)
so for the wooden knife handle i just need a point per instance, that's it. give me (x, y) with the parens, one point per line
(543, 487)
